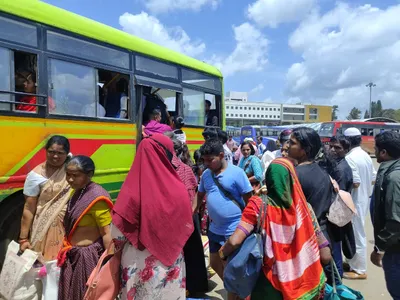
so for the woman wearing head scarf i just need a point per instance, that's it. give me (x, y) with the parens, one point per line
(291, 266)
(152, 219)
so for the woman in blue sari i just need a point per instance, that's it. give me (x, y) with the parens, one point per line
(251, 164)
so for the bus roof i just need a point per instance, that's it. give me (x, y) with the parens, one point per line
(357, 122)
(53, 16)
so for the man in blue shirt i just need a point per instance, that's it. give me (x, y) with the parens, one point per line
(225, 202)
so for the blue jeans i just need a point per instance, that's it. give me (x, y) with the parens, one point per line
(391, 267)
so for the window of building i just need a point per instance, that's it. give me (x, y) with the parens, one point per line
(270, 116)
(193, 107)
(245, 115)
(241, 115)
(82, 49)
(274, 108)
(231, 115)
(279, 109)
(236, 115)
(240, 107)
(262, 108)
(313, 117)
(227, 115)
(245, 108)
(73, 89)
(313, 111)
(254, 108)
(258, 108)
(236, 107)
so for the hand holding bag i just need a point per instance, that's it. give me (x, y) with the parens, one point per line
(17, 278)
(244, 265)
(104, 283)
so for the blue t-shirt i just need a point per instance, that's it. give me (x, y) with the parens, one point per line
(224, 213)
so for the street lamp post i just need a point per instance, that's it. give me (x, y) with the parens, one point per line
(370, 85)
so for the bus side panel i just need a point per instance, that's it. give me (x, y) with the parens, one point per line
(111, 145)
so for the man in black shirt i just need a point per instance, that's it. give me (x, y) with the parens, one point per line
(339, 147)
(386, 222)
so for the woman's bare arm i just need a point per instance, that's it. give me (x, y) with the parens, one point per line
(106, 235)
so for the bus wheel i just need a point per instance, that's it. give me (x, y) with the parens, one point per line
(11, 210)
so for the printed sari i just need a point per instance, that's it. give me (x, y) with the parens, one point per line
(292, 268)
(47, 231)
(77, 263)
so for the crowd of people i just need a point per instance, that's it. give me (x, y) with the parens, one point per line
(169, 200)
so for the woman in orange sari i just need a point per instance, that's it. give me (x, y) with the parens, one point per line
(292, 267)
(46, 193)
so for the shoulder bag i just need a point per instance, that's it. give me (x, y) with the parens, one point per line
(342, 208)
(226, 193)
(244, 265)
(104, 282)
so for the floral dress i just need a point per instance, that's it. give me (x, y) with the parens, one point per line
(144, 277)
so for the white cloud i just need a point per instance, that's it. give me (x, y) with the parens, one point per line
(341, 52)
(165, 6)
(257, 89)
(250, 53)
(150, 28)
(273, 12)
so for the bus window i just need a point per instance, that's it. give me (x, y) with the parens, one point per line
(113, 95)
(194, 107)
(5, 75)
(326, 129)
(160, 99)
(370, 132)
(25, 70)
(169, 98)
(364, 131)
(73, 89)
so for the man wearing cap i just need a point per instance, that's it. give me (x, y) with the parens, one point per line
(363, 178)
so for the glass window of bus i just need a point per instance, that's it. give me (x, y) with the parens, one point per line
(155, 67)
(170, 101)
(113, 95)
(194, 107)
(82, 49)
(73, 88)
(201, 80)
(364, 131)
(5, 78)
(11, 30)
(326, 130)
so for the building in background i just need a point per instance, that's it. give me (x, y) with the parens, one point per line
(240, 112)
(318, 113)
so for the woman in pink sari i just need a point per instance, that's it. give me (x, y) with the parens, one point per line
(46, 193)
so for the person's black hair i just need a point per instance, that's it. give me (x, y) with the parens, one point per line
(212, 147)
(285, 135)
(222, 135)
(59, 140)
(309, 140)
(210, 133)
(342, 140)
(271, 146)
(185, 157)
(208, 102)
(177, 146)
(33, 76)
(84, 163)
(389, 141)
(326, 161)
(197, 156)
(179, 122)
(252, 150)
(122, 85)
(154, 113)
(354, 141)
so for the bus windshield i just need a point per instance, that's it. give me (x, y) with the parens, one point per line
(326, 130)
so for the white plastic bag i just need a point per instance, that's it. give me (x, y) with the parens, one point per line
(17, 278)
(50, 281)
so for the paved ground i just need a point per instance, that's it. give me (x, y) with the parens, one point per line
(372, 288)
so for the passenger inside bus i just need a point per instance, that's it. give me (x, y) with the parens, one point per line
(152, 100)
(155, 125)
(211, 116)
(114, 96)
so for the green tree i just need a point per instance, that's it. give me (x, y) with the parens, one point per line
(376, 108)
(366, 115)
(335, 109)
(354, 114)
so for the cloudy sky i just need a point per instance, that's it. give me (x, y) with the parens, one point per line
(287, 51)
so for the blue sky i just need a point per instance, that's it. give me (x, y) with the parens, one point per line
(321, 52)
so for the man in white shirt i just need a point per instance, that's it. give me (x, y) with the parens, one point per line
(364, 175)
(269, 156)
(223, 137)
(261, 147)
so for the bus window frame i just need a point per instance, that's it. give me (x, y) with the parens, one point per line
(205, 91)
(43, 56)
(96, 66)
